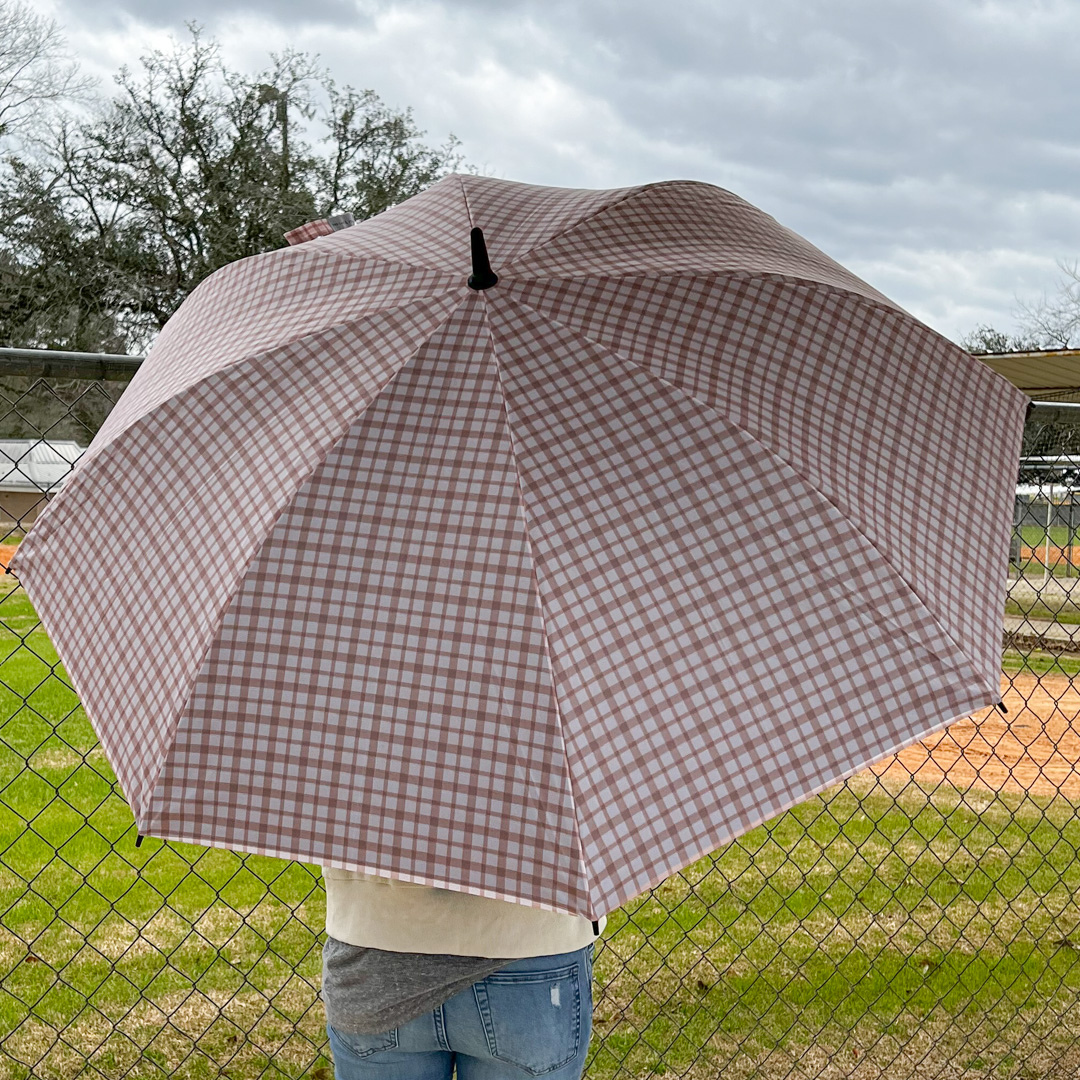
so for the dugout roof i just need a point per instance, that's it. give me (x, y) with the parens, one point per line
(1045, 374)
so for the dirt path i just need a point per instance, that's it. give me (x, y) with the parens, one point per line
(1035, 748)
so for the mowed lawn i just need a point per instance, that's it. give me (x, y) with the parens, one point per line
(867, 932)
(1061, 537)
(1064, 551)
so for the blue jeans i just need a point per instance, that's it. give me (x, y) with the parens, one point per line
(530, 1018)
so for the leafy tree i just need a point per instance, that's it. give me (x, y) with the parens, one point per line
(985, 339)
(58, 287)
(190, 167)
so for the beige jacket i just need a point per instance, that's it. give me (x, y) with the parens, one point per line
(381, 913)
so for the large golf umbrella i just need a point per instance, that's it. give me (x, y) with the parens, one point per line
(529, 542)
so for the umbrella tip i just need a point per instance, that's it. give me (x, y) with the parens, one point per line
(482, 276)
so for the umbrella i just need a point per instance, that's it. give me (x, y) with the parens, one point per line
(528, 542)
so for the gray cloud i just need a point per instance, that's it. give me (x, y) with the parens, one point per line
(933, 145)
(164, 13)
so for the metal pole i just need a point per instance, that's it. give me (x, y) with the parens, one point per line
(63, 364)
(1046, 547)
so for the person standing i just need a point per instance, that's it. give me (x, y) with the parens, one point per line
(419, 981)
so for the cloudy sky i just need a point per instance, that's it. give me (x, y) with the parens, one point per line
(932, 146)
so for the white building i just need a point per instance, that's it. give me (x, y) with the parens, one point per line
(31, 472)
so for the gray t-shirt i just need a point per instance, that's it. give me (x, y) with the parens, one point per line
(369, 991)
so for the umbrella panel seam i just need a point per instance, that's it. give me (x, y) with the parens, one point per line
(540, 612)
(249, 358)
(883, 303)
(779, 457)
(587, 217)
(356, 256)
(212, 639)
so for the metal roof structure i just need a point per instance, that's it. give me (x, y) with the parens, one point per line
(1043, 374)
(36, 464)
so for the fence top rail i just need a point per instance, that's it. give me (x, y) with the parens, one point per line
(1054, 412)
(60, 363)
(64, 363)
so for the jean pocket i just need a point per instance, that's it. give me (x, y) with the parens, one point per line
(532, 1019)
(365, 1045)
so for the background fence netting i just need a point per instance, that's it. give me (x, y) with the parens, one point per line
(917, 920)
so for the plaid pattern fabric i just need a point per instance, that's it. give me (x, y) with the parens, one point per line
(411, 635)
(905, 433)
(541, 592)
(321, 227)
(308, 231)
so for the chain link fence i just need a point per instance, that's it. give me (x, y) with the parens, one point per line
(920, 919)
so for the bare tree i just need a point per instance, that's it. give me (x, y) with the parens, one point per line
(1051, 322)
(1055, 319)
(35, 69)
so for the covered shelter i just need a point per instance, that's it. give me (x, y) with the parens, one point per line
(1042, 374)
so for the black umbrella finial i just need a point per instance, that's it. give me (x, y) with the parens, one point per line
(482, 276)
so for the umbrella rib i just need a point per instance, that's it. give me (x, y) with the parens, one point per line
(871, 297)
(465, 199)
(769, 449)
(543, 625)
(246, 358)
(358, 256)
(627, 195)
(323, 453)
(567, 229)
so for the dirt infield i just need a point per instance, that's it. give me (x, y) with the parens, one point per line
(6, 552)
(1035, 748)
(1052, 555)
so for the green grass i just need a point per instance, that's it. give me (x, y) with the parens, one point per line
(855, 921)
(163, 957)
(1040, 663)
(1067, 614)
(1034, 536)
(868, 926)
(1060, 535)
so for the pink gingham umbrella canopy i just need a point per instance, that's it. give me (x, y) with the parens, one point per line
(537, 591)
